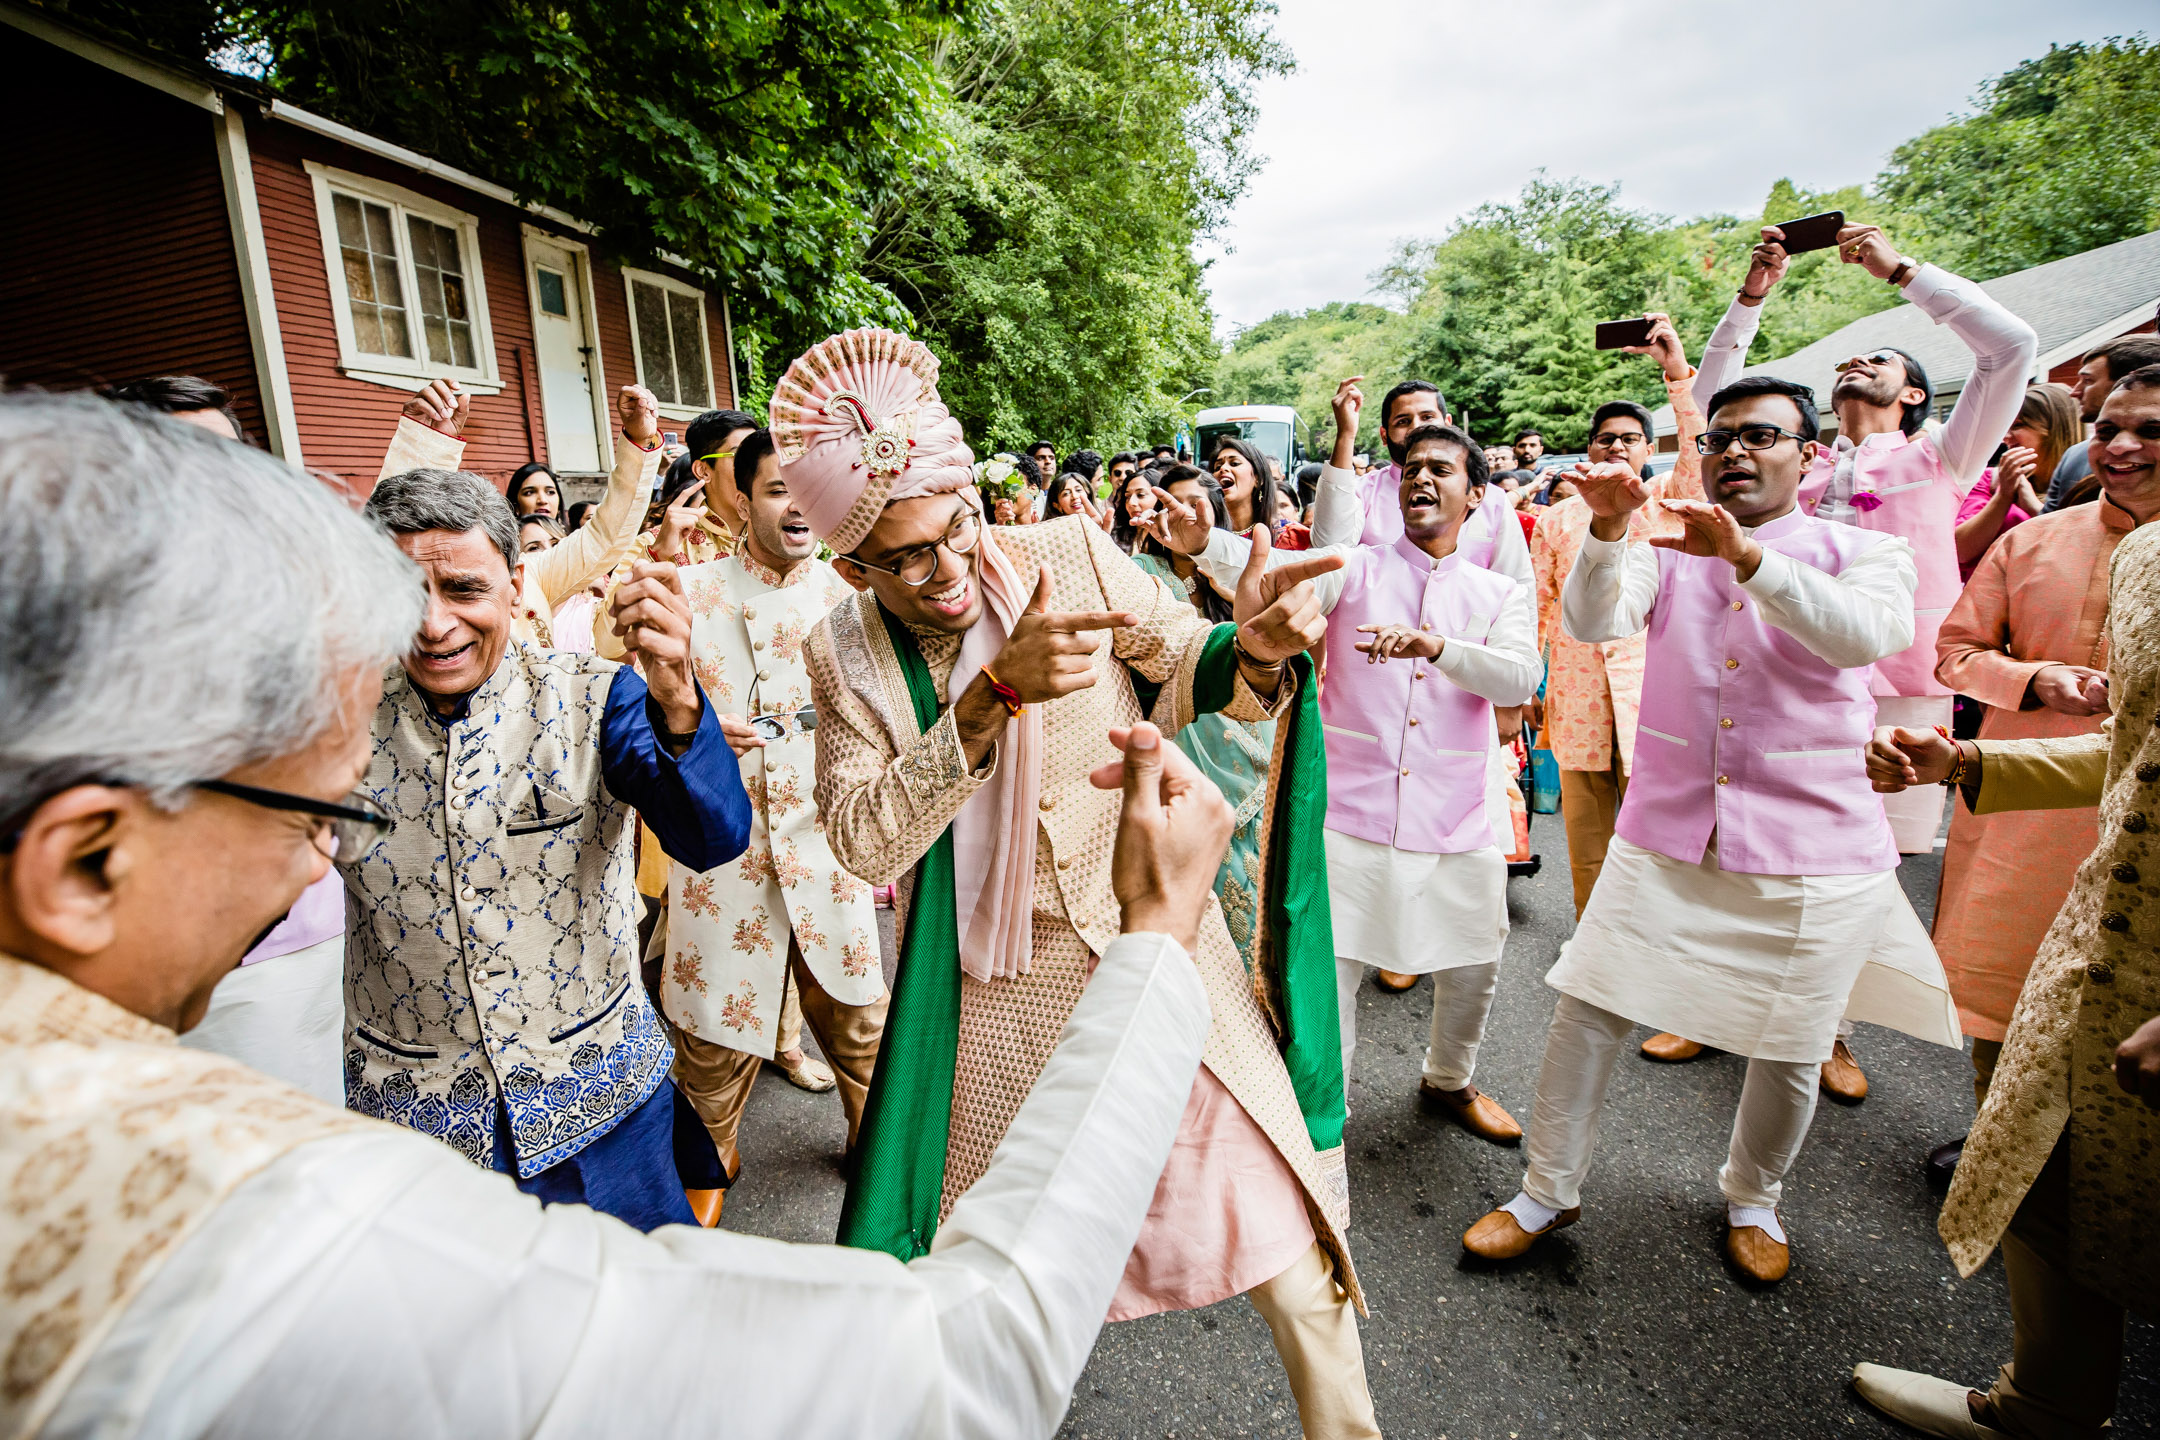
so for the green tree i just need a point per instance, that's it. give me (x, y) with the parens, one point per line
(1296, 357)
(1047, 255)
(2060, 158)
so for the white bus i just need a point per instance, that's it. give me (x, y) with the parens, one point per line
(1273, 429)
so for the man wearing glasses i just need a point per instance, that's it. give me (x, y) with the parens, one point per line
(491, 995)
(1751, 874)
(738, 932)
(1885, 472)
(963, 697)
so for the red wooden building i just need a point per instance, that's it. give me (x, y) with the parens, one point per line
(162, 218)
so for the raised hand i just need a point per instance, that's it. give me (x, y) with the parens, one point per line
(1766, 264)
(2014, 477)
(1278, 614)
(1348, 403)
(1177, 525)
(1898, 759)
(2071, 689)
(652, 619)
(677, 521)
(640, 415)
(1868, 247)
(1613, 491)
(1172, 831)
(1050, 654)
(1710, 531)
(1406, 641)
(1664, 345)
(440, 405)
(740, 734)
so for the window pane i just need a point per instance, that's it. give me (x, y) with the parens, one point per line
(554, 299)
(461, 346)
(439, 270)
(655, 352)
(368, 247)
(689, 347)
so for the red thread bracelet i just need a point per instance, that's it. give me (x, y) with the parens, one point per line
(1007, 696)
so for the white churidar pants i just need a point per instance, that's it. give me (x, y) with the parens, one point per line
(1777, 1102)
(1462, 999)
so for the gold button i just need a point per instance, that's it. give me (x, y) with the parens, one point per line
(1736, 605)
(1065, 862)
(1413, 719)
(1732, 664)
(1049, 802)
(1725, 724)
(1417, 674)
(1406, 772)
(1724, 779)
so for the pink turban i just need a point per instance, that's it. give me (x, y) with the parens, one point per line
(858, 424)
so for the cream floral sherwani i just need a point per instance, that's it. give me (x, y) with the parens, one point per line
(888, 789)
(2096, 979)
(728, 928)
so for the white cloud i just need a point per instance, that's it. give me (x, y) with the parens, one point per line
(1404, 115)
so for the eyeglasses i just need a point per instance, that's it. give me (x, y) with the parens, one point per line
(1609, 441)
(346, 830)
(1880, 357)
(1751, 437)
(915, 565)
(717, 455)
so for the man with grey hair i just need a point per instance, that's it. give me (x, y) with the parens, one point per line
(201, 1249)
(491, 995)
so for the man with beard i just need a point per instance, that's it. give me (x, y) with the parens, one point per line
(1416, 883)
(963, 696)
(1752, 874)
(736, 933)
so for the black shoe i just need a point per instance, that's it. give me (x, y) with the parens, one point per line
(1942, 1162)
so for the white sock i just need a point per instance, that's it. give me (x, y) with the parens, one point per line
(1532, 1216)
(1761, 1217)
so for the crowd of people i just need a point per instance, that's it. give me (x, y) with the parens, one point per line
(397, 907)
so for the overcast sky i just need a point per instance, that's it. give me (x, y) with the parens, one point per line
(1404, 115)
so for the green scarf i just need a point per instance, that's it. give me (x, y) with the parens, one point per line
(892, 1200)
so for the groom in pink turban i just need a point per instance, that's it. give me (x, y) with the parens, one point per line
(963, 695)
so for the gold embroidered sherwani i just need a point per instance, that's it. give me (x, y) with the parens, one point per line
(887, 790)
(2096, 979)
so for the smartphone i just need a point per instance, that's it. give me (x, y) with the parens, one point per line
(1816, 232)
(667, 437)
(1612, 334)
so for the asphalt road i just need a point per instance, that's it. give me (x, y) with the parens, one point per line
(1628, 1324)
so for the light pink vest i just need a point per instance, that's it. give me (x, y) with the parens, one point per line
(1920, 499)
(1407, 747)
(1381, 490)
(1746, 732)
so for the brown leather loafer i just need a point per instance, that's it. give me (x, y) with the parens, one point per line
(1670, 1049)
(1842, 1078)
(1472, 1109)
(1392, 981)
(705, 1205)
(1500, 1236)
(1757, 1256)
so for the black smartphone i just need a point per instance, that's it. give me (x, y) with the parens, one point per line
(1612, 334)
(1816, 232)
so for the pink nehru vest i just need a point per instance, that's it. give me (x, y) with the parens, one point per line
(1380, 489)
(1407, 747)
(1746, 732)
(1920, 501)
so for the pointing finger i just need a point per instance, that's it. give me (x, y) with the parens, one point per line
(1074, 621)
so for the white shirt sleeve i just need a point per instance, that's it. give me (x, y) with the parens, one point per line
(2004, 349)
(1853, 618)
(377, 1283)
(1506, 668)
(1726, 355)
(1609, 591)
(1338, 516)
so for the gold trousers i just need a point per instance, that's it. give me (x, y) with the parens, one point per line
(1590, 807)
(1316, 1334)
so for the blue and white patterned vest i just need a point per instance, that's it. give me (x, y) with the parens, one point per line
(492, 948)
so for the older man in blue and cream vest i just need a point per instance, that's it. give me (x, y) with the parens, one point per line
(491, 994)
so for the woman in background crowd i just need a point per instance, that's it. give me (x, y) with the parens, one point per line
(2047, 426)
(534, 490)
(1130, 506)
(1068, 495)
(1248, 491)
(536, 533)
(575, 517)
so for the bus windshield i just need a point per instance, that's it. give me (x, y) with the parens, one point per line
(1269, 437)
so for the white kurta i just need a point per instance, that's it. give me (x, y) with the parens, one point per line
(728, 928)
(377, 1284)
(1760, 965)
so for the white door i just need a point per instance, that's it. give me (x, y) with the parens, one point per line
(563, 345)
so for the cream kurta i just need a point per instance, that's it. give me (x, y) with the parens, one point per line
(728, 928)
(888, 791)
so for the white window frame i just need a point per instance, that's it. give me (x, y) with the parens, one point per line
(393, 370)
(631, 278)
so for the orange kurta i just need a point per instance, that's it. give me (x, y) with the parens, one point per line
(1593, 692)
(2038, 597)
